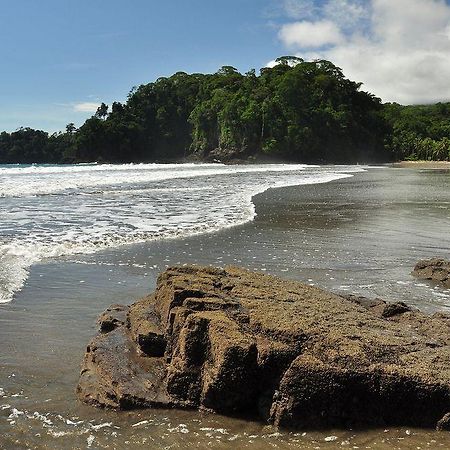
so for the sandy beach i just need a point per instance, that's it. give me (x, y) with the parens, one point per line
(422, 164)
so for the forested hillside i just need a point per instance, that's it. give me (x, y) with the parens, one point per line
(296, 111)
(420, 132)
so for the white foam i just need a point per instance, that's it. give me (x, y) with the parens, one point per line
(45, 180)
(181, 428)
(71, 422)
(330, 438)
(58, 434)
(90, 440)
(138, 424)
(215, 430)
(100, 426)
(112, 205)
(36, 415)
(15, 413)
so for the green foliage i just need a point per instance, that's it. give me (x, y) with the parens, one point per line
(28, 146)
(296, 111)
(419, 132)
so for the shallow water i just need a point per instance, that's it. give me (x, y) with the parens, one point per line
(361, 234)
(50, 211)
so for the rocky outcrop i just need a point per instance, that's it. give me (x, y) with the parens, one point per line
(239, 342)
(434, 270)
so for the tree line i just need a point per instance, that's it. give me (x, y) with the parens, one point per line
(418, 132)
(299, 111)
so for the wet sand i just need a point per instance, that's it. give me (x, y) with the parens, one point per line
(360, 235)
(423, 164)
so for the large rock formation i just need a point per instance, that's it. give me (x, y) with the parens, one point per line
(434, 270)
(235, 341)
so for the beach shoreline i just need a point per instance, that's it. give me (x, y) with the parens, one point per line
(422, 164)
(358, 235)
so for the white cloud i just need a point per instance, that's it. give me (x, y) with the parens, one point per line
(399, 49)
(310, 34)
(86, 107)
(346, 13)
(300, 9)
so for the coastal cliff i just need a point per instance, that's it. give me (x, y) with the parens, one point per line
(238, 342)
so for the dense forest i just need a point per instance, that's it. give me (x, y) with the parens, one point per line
(419, 132)
(296, 111)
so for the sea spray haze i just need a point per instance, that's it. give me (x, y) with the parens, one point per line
(51, 211)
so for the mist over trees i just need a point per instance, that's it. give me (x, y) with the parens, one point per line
(297, 111)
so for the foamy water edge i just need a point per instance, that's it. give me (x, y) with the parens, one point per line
(15, 275)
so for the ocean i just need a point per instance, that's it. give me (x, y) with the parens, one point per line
(75, 239)
(51, 211)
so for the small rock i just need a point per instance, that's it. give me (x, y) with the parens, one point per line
(394, 309)
(436, 269)
(444, 423)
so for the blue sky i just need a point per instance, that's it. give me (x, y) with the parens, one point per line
(56, 54)
(61, 57)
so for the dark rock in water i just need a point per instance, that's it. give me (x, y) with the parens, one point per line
(394, 309)
(365, 302)
(444, 423)
(378, 306)
(225, 155)
(435, 270)
(234, 341)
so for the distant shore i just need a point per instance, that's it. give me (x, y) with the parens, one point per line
(422, 164)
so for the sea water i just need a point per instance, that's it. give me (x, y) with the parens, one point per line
(347, 229)
(50, 211)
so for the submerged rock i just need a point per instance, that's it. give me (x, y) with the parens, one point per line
(433, 269)
(239, 342)
(444, 423)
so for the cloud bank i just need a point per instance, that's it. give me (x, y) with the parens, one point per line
(310, 34)
(399, 49)
(86, 107)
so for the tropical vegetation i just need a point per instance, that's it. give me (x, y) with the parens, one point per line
(298, 111)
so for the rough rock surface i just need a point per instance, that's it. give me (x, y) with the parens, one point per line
(237, 342)
(435, 270)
